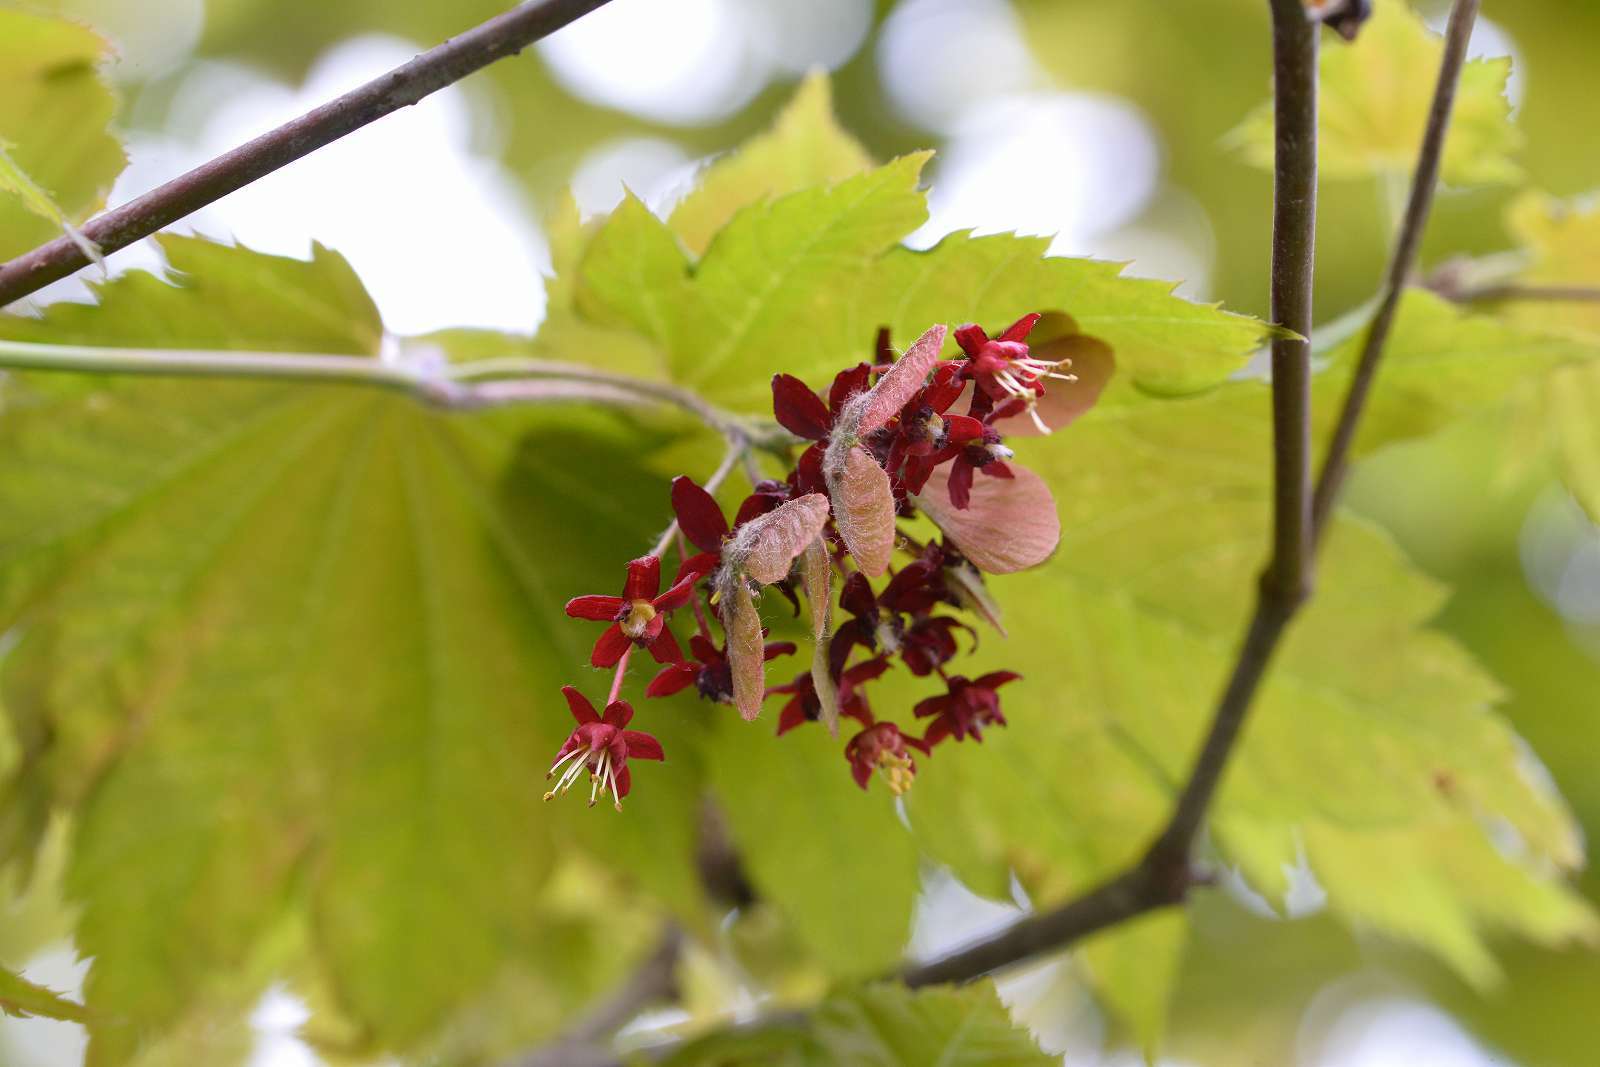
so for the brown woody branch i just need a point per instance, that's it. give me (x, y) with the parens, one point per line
(499, 37)
(1506, 293)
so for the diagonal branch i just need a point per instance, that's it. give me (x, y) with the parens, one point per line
(1160, 877)
(1499, 294)
(502, 36)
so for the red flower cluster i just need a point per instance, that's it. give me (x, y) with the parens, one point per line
(884, 444)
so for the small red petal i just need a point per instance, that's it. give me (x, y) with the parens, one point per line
(773, 649)
(995, 679)
(755, 505)
(931, 705)
(792, 715)
(681, 590)
(971, 338)
(699, 516)
(595, 608)
(961, 483)
(846, 384)
(1020, 329)
(866, 670)
(700, 565)
(999, 470)
(673, 678)
(644, 578)
(798, 409)
(704, 650)
(664, 648)
(642, 745)
(861, 771)
(618, 713)
(624, 781)
(612, 644)
(959, 429)
(945, 389)
(582, 710)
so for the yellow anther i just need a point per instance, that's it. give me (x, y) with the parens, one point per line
(640, 612)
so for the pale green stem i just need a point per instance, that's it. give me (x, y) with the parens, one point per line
(738, 448)
(454, 387)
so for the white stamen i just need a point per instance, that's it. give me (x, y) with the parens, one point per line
(570, 755)
(597, 776)
(1033, 413)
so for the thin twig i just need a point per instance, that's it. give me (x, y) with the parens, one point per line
(1335, 466)
(1495, 294)
(1286, 582)
(1142, 889)
(453, 388)
(737, 448)
(584, 1045)
(499, 37)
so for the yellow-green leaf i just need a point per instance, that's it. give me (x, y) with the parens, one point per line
(804, 147)
(1374, 97)
(54, 108)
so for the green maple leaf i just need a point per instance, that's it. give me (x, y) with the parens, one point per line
(1538, 390)
(804, 148)
(799, 279)
(848, 891)
(1374, 98)
(292, 652)
(56, 157)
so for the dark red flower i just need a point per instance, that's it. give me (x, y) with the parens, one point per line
(974, 445)
(639, 614)
(986, 454)
(1003, 367)
(709, 671)
(875, 623)
(965, 708)
(603, 747)
(804, 706)
(701, 520)
(882, 747)
(924, 426)
(930, 642)
(803, 413)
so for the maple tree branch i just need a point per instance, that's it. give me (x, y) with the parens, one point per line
(1294, 230)
(504, 35)
(1402, 261)
(449, 387)
(737, 448)
(1162, 875)
(1495, 294)
(655, 979)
